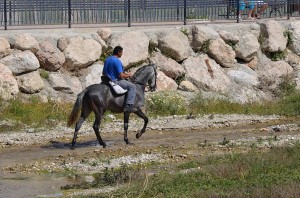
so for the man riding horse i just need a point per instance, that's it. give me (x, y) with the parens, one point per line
(114, 70)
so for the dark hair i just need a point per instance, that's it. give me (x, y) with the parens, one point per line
(117, 49)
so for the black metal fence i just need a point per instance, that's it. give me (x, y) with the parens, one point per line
(60, 12)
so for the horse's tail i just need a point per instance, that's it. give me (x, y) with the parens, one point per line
(75, 111)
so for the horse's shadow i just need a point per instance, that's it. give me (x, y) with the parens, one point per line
(66, 145)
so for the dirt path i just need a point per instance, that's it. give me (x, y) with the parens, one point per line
(21, 165)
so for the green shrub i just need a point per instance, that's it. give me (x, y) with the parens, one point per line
(44, 74)
(165, 103)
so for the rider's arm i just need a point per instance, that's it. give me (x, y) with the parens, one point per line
(125, 75)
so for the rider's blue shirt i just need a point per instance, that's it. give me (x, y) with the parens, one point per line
(113, 67)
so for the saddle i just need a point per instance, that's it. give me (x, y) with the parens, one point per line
(117, 89)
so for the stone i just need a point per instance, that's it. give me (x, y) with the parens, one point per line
(21, 62)
(206, 74)
(79, 52)
(222, 53)
(135, 46)
(30, 82)
(272, 36)
(187, 86)
(25, 41)
(8, 84)
(49, 56)
(167, 65)
(104, 33)
(97, 38)
(243, 75)
(253, 63)
(4, 47)
(247, 47)
(175, 45)
(199, 35)
(92, 74)
(65, 83)
(164, 83)
(229, 37)
(292, 58)
(295, 30)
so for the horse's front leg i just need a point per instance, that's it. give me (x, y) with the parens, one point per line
(141, 114)
(126, 121)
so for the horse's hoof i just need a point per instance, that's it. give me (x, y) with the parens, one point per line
(138, 135)
(129, 143)
(104, 145)
(72, 147)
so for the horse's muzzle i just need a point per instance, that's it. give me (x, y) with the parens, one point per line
(153, 88)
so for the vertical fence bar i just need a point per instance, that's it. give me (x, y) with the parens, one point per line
(184, 12)
(177, 10)
(288, 9)
(5, 15)
(69, 13)
(129, 13)
(238, 12)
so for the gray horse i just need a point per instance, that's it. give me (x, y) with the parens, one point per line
(100, 97)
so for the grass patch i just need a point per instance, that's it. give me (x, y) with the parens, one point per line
(35, 113)
(232, 175)
(288, 105)
(165, 103)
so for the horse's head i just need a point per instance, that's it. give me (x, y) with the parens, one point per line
(146, 76)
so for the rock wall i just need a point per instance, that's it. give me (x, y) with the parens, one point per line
(240, 62)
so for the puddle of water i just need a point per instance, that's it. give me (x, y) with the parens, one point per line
(12, 185)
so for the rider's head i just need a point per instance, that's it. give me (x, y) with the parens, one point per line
(118, 51)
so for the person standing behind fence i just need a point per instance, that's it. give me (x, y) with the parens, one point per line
(263, 6)
(242, 7)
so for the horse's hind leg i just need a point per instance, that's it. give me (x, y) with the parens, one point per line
(141, 114)
(84, 114)
(96, 128)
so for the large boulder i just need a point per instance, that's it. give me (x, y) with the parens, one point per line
(30, 82)
(50, 57)
(104, 33)
(272, 36)
(243, 75)
(222, 53)
(295, 30)
(97, 38)
(206, 74)
(25, 41)
(79, 52)
(164, 83)
(170, 67)
(272, 73)
(199, 35)
(135, 45)
(65, 83)
(175, 45)
(187, 86)
(8, 84)
(4, 47)
(228, 37)
(247, 47)
(91, 75)
(293, 59)
(21, 62)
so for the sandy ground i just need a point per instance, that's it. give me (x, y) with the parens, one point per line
(35, 162)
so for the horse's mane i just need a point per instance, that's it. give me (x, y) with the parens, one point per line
(137, 73)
